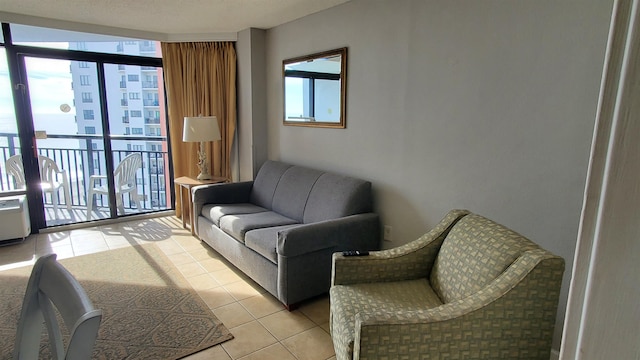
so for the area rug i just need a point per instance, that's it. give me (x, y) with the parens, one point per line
(149, 309)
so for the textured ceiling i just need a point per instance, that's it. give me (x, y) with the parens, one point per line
(165, 17)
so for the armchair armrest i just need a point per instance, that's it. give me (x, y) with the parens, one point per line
(93, 178)
(361, 231)
(532, 282)
(410, 261)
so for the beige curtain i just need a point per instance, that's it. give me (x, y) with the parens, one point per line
(201, 80)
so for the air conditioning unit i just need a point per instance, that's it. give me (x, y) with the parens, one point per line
(14, 219)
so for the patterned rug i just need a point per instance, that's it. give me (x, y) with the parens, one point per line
(149, 309)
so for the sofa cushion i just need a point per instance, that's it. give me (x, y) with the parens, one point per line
(375, 298)
(214, 212)
(238, 225)
(334, 196)
(267, 179)
(293, 191)
(264, 241)
(473, 254)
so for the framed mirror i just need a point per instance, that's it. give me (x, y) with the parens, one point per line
(315, 89)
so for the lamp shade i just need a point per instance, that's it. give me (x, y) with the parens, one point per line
(200, 128)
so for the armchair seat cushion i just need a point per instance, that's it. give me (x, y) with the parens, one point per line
(214, 212)
(238, 225)
(376, 298)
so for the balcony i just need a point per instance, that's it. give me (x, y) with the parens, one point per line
(151, 102)
(82, 162)
(152, 120)
(149, 84)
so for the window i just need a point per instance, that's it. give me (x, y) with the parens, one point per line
(138, 147)
(133, 77)
(84, 80)
(86, 97)
(134, 96)
(89, 129)
(136, 131)
(34, 36)
(136, 113)
(88, 115)
(83, 64)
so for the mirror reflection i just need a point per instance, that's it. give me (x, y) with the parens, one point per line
(314, 89)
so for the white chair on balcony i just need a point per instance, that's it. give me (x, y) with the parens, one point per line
(125, 182)
(16, 170)
(52, 179)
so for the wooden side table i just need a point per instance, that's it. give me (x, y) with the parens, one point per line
(185, 182)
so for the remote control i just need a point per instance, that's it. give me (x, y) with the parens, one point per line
(355, 253)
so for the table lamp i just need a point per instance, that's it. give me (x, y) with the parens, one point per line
(201, 129)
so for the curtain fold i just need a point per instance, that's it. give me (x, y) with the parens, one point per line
(200, 79)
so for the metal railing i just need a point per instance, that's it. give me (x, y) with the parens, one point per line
(87, 159)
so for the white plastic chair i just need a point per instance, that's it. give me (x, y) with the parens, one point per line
(50, 284)
(51, 178)
(125, 182)
(16, 169)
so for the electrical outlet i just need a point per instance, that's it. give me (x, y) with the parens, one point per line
(387, 233)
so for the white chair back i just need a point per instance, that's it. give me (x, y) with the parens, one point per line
(125, 173)
(52, 285)
(16, 169)
(48, 170)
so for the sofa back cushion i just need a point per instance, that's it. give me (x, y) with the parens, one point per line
(474, 253)
(334, 196)
(267, 179)
(293, 190)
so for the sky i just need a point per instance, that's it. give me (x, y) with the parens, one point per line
(43, 75)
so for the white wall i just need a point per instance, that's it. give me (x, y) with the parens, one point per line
(251, 139)
(485, 105)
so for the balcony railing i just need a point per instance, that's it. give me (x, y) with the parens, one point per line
(152, 120)
(83, 161)
(150, 84)
(151, 102)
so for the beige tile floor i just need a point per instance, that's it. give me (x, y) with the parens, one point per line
(262, 328)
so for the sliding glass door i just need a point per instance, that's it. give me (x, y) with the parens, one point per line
(96, 122)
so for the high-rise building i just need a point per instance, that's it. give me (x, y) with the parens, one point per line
(135, 110)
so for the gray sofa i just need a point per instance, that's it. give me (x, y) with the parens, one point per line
(282, 228)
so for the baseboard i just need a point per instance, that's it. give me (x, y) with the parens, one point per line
(555, 354)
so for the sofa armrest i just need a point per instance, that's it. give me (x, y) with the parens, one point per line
(526, 293)
(361, 231)
(225, 193)
(410, 261)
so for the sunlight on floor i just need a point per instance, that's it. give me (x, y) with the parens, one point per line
(262, 328)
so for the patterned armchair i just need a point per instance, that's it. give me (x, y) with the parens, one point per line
(468, 289)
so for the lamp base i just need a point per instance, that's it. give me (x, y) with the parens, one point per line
(202, 176)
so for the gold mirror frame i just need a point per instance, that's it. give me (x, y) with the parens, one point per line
(309, 68)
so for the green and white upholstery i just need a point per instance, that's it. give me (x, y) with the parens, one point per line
(468, 289)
